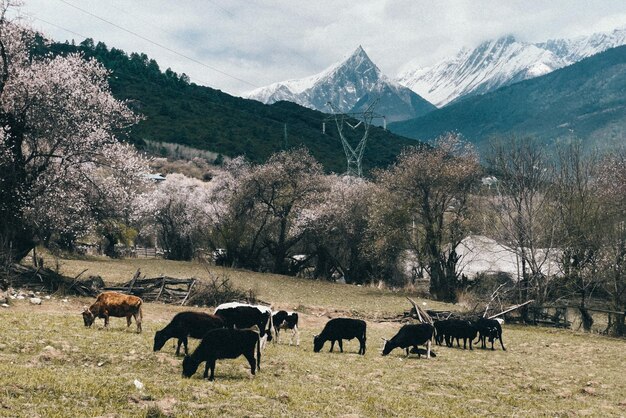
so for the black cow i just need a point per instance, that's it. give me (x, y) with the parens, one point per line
(489, 329)
(187, 324)
(286, 320)
(224, 343)
(451, 329)
(241, 315)
(339, 329)
(411, 335)
(458, 329)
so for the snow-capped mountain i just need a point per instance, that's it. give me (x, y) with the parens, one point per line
(344, 85)
(501, 62)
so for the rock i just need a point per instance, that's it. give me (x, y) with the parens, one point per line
(35, 301)
(4, 305)
(47, 297)
(20, 297)
(138, 384)
(65, 301)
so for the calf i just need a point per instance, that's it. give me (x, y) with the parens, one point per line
(489, 329)
(242, 315)
(411, 335)
(339, 329)
(223, 343)
(187, 324)
(114, 304)
(286, 320)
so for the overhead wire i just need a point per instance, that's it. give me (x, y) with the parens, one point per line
(298, 115)
(158, 44)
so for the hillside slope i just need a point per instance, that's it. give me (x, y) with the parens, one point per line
(586, 100)
(177, 111)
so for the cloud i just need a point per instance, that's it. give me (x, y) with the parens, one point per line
(262, 42)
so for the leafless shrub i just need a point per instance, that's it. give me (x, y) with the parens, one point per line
(217, 290)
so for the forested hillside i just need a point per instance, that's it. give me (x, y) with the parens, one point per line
(178, 111)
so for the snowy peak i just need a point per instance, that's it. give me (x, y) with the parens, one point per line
(490, 65)
(573, 50)
(500, 62)
(345, 84)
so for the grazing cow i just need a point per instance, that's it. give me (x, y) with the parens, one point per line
(339, 329)
(458, 329)
(187, 324)
(223, 343)
(411, 335)
(241, 315)
(489, 329)
(451, 329)
(114, 304)
(286, 320)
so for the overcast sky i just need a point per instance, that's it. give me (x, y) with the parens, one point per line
(237, 45)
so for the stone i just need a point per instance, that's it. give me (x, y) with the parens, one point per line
(4, 305)
(35, 301)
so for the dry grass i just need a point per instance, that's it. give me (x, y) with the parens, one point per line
(51, 365)
(287, 292)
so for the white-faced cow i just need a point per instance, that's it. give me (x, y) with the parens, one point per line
(224, 343)
(286, 320)
(114, 304)
(242, 315)
(411, 335)
(187, 324)
(339, 329)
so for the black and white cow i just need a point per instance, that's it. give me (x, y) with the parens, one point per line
(339, 329)
(224, 343)
(286, 320)
(242, 315)
(411, 335)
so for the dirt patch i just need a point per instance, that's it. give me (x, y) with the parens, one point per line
(48, 354)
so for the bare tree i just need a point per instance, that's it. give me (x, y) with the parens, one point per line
(579, 218)
(612, 260)
(433, 186)
(524, 208)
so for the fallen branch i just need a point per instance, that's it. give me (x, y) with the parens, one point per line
(511, 309)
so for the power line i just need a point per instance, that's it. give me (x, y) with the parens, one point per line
(56, 26)
(158, 44)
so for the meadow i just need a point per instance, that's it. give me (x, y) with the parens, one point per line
(52, 366)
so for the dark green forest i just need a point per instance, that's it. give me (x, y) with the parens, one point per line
(178, 111)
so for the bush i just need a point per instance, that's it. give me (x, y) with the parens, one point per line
(217, 290)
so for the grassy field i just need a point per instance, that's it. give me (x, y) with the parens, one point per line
(51, 365)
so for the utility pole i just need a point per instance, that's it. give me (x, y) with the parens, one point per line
(285, 136)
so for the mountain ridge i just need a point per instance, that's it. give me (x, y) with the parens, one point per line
(584, 101)
(344, 84)
(475, 71)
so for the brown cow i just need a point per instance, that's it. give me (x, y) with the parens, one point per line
(114, 304)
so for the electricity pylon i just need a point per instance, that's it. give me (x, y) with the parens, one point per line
(354, 155)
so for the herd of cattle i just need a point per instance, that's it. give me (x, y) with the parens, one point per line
(236, 329)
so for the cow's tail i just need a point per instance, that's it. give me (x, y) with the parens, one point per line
(258, 352)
